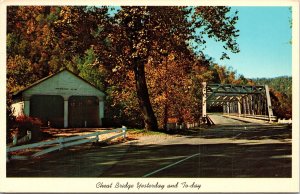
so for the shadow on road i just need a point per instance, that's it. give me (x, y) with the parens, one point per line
(225, 152)
(87, 162)
(250, 132)
(246, 132)
(214, 161)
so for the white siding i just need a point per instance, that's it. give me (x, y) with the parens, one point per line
(64, 84)
(17, 108)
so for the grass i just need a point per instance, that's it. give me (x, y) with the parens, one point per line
(143, 132)
(135, 131)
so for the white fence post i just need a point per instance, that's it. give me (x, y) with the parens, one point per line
(97, 138)
(15, 139)
(29, 135)
(124, 128)
(60, 140)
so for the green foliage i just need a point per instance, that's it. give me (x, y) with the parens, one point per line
(88, 67)
(122, 108)
(143, 132)
(281, 94)
(281, 84)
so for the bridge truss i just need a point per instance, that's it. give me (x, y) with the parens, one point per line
(241, 100)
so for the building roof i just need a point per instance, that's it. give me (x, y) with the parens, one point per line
(19, 93)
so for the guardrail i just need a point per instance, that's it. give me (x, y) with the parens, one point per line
(61, 143)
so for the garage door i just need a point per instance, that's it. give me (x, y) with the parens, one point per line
(83, 111)
(48, 108)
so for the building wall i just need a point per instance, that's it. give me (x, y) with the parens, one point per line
(66, 85)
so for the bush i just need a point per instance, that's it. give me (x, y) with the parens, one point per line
(10, 118)
(25, 123)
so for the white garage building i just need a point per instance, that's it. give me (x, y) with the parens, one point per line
(63, 100)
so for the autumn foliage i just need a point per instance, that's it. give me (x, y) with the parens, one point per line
(148, 60)
(25, 123)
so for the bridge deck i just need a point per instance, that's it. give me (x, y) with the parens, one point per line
(220, 119)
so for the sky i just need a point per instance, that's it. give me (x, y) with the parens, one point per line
(264, 45)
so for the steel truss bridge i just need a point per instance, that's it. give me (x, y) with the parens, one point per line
(241, 100)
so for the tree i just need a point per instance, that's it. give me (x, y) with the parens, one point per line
(125, 44)
(151, 33)
(140, 36)
(281, 94)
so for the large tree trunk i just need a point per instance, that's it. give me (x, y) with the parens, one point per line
(143, 98)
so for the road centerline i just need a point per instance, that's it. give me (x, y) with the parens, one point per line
(170, 165)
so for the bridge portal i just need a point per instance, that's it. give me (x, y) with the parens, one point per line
(241, 100)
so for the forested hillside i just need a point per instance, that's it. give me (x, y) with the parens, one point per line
(281, 84)
(148, 60)
(281, 91)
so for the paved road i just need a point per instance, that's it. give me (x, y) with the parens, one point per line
(90, 162)
(232, 150)
(219, 119)
(219, 152)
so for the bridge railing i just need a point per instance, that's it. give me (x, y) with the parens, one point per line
(259, 117)
(60, 143)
